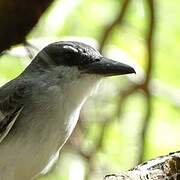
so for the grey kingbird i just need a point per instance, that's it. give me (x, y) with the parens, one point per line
(40, 108)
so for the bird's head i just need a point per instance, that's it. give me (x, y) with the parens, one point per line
(78, 62)
(77, 55)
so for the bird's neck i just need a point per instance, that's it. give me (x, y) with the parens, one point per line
(74, 100)
(38, 65)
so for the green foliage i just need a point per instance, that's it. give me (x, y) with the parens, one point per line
(10, 67)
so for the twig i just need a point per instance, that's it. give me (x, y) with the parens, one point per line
(29, 48)
(150, 61)
(109, 28)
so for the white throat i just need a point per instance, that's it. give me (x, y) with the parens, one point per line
(75, 99)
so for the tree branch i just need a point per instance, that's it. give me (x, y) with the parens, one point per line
(17, 18)
(108, 30)
(163, 167)
(145, 86)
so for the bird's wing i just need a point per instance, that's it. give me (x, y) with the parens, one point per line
(10, 107)
(6, 122)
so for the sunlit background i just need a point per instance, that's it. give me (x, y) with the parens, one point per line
(129, 119)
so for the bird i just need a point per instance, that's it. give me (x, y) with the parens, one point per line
(40, 108)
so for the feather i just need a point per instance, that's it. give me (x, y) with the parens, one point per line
(7, 122)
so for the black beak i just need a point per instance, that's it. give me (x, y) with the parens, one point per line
(108, 67)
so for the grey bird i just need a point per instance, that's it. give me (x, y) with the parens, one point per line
(40, 108)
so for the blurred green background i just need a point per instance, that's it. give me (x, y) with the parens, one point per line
(129, 119)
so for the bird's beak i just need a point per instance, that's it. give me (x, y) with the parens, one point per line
(108, 67)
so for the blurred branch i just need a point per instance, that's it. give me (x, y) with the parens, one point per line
(30, 48)
(150, 40)
(17, 18)
(123, 96)
(90, 154)
(117, 21)
(145, 86)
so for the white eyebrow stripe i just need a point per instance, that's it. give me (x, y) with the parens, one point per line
(70, 47)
